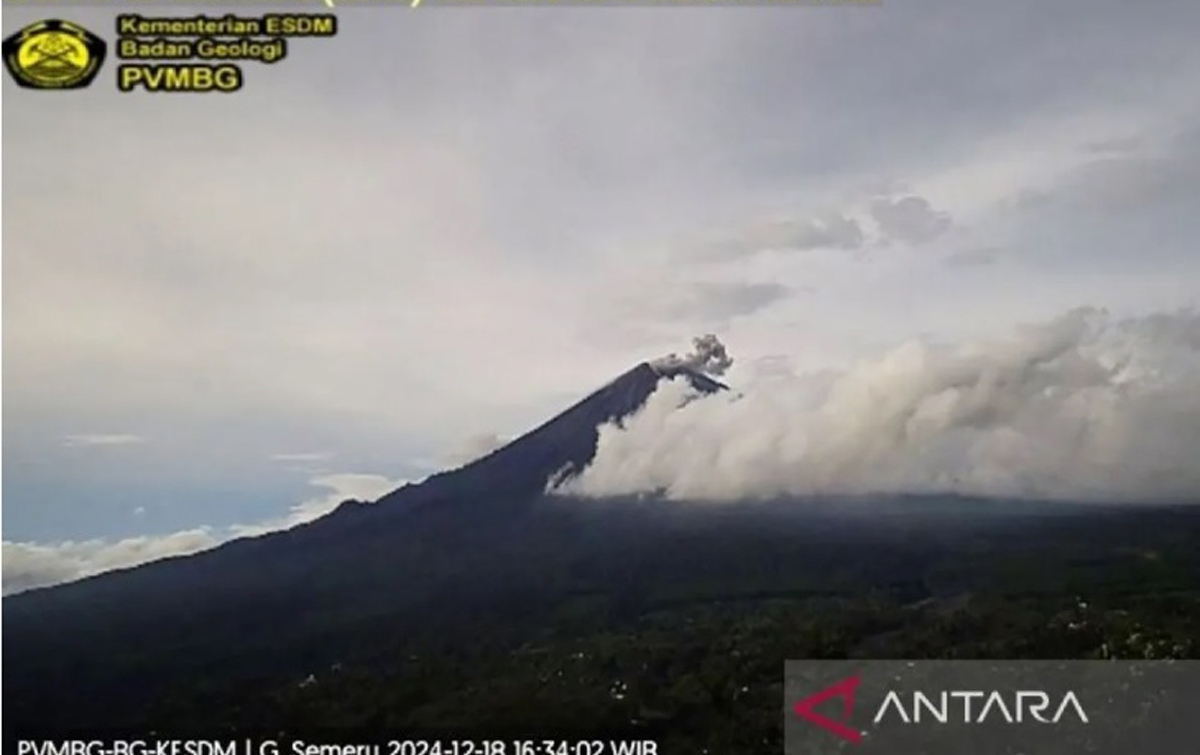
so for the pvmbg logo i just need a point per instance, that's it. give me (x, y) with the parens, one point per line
(984, 707)
(54, 54)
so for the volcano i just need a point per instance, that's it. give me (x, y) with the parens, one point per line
(360, 561)
(556, 449)
(473, 599)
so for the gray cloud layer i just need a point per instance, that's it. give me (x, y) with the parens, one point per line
(445, 221)
(910, 219)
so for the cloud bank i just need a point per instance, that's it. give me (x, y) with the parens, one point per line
(1083, 407)
(101, 439)
(28, 565)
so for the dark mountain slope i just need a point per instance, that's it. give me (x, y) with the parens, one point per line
(267, 599)
(516, 473)
(568, 441)
(433, 582)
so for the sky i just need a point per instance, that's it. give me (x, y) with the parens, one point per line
(396, 248)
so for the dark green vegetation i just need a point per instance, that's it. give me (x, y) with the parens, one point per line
(570, 616)
(471, 604)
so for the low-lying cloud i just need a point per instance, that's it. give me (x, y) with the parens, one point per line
(101, 439)
(28, 565)
(304, 456)
(1083, 407)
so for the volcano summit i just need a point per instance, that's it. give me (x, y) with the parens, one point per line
(473, 600)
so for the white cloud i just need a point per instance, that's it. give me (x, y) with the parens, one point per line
(28, 564)
(475, 447)
(101, 439)
(298, 457)
(1083, 407)
(363, 487)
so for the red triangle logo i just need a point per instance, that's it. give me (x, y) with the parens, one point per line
(843, 689)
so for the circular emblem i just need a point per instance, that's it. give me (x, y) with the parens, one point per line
(54, 55)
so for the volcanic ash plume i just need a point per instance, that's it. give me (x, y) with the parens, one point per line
(1084, 407)
(708, 356)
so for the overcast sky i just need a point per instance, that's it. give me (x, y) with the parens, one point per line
(428, 234)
